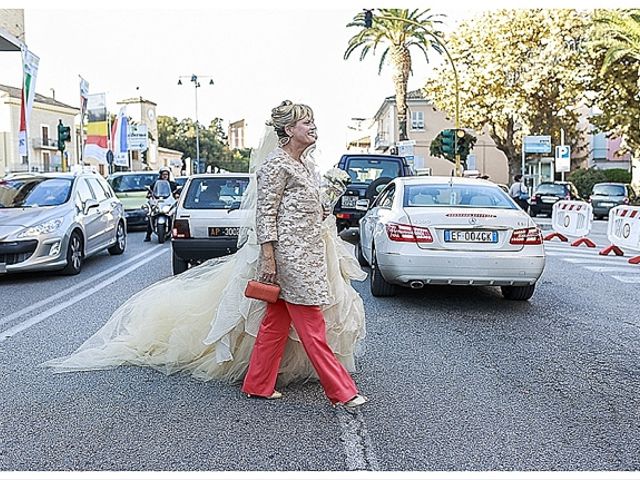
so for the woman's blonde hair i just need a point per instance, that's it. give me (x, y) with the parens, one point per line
(287, 114)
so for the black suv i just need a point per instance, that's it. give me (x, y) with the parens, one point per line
(369, 174)
(548, 193)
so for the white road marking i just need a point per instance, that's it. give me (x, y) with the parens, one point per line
(53, 310)
(593, 261)
(619, 269)
(74, 288)
(355, 438)
(627, 278)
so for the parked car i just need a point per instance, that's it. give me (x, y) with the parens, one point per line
(131, 189)
(55, 221)
(605, 196)
(207, 218)
(369, 174)
(449, 231)
(548, 193)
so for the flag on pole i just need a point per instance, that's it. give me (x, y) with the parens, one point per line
(96, 145)
(119, 139)
(30, 72)
(84, 94)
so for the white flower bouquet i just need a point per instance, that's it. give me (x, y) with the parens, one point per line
(332, 187)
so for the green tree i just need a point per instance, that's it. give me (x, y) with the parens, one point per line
(522, 72)
(214, 149)
(585, 179)
(397, 36)
(615, 89)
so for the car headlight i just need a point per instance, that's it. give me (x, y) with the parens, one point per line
(166, 209)
(42, 228)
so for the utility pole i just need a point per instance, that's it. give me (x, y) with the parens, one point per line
(195, 79)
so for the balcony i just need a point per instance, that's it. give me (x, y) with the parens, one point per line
(382, 141)
(44, 143)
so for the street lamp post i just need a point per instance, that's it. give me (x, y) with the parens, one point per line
(369, 19)
(195, 79)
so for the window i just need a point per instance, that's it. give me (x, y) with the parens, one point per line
(83, 193)
(46, 162)
(417, 120)
(444, 195)
(105, 186)
(215, 193)
(98, 191)
(366, 170)
(45, 135)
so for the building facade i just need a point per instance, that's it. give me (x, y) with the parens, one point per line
(237, 134)
(143, 112)
(424, 123)
(43, 153)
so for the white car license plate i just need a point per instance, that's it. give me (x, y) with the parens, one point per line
(3, 268)
(349, 202)
(224, 231)
(607, 204)
(471, 236)
(548, 199)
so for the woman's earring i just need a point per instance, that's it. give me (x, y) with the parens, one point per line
(282, 141)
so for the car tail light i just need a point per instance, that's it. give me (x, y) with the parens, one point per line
(526, 236)
(399, 232)
(181, 229)
(343, 215)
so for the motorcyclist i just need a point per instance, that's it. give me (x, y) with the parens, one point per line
(163, 174)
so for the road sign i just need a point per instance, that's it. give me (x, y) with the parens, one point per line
(563, 158)
(138, 138)
(537, 144)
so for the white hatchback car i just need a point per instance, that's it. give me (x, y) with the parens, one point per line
(449, 231)
(207, 218)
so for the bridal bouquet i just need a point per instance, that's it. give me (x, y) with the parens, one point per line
(332, 187)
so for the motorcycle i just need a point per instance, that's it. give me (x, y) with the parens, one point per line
(161, 207)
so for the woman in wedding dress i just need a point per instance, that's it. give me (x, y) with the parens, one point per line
(200, 322)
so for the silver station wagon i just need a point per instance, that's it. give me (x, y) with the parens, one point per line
(53, 221)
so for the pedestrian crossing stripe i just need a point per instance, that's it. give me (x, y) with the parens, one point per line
(620, 269)
(627, 278)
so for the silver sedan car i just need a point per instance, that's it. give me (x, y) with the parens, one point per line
(54, 221)
(449, 231)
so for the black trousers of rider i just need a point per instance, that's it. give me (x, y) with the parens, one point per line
(149, 229)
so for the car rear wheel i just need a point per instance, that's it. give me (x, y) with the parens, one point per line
(179, 264)
(379, 286)
(74, 255)
(518, 293)
(121, 241)
(361, 260)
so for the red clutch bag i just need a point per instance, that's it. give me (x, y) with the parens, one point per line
(267, 292)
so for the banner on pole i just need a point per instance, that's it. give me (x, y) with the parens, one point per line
(119, 139)
(96, 145)
(30, 72)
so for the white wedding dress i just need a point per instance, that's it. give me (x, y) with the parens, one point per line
(200, 322)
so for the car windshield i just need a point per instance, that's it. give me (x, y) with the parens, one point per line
(551, 189)
(34, 192)
(132, 182)
(215, 193)
(609, 190)
(366, 170)
(473, 196)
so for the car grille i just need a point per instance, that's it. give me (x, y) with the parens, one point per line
(16, 252)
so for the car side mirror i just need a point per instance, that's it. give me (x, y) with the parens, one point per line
(89, 204)
(362, 204)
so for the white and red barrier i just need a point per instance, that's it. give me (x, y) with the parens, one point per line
(623, 230)
(571, 218)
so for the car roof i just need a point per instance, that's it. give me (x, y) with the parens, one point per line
(220, 175)
(144, 172)
(611, 183)
(433, 180)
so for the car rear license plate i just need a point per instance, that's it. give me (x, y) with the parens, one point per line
(471, 236)
(607, 204)
(349, 202)
(548, 199)
(3, 268)
(224, 231)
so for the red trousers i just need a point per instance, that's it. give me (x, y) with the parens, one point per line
(269, 348)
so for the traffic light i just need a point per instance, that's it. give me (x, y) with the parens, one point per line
(448, 143)
(466, 141)
(368, 18)
(64, 135)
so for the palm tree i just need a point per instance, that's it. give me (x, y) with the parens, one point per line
(618, 32)
(398, 30)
